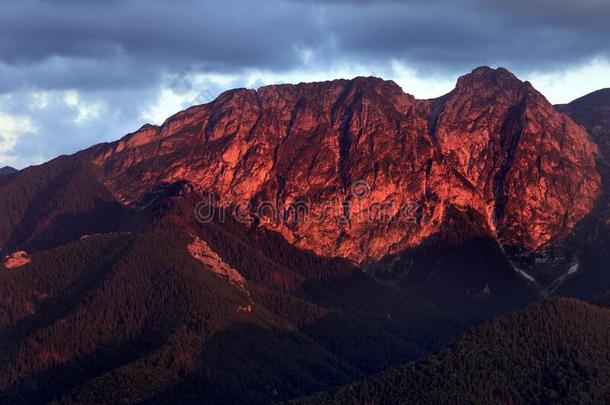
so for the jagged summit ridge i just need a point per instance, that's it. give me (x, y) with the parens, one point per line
(493, 145)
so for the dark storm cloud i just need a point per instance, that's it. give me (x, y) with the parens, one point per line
(135, 40)
(122, 52)
(457, 35)
(140, 36)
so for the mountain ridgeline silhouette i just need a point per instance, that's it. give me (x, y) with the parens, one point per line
(294, 239)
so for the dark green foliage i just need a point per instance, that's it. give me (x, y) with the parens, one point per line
(556, 351)
(48, 205)
(114, 300)
(127, 315)
(132, 317)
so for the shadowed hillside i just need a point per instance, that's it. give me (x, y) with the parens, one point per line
(555, 351)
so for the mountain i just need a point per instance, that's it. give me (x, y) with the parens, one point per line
(555, 351)
(7, 170)
(591, 281)
(353, 169)
(160, 313)
(289, 240)
(51, 204)
(363, 151)
(375, 168)
(593, 112)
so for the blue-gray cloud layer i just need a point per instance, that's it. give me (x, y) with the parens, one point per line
(121, 51)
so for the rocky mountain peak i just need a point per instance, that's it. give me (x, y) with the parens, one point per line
(381, 166)
(486, 84)
(485, 75)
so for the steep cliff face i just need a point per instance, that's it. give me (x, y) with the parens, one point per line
(360, 169)
(534, 167)
(591, 281)
(593, 112)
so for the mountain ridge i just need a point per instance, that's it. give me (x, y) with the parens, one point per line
(7, 170)
(261, 143)
(146, 275)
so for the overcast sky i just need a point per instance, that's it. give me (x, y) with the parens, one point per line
(74, 73)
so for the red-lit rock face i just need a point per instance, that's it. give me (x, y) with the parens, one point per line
(534, 167)
(366, 154)
(16, 260)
